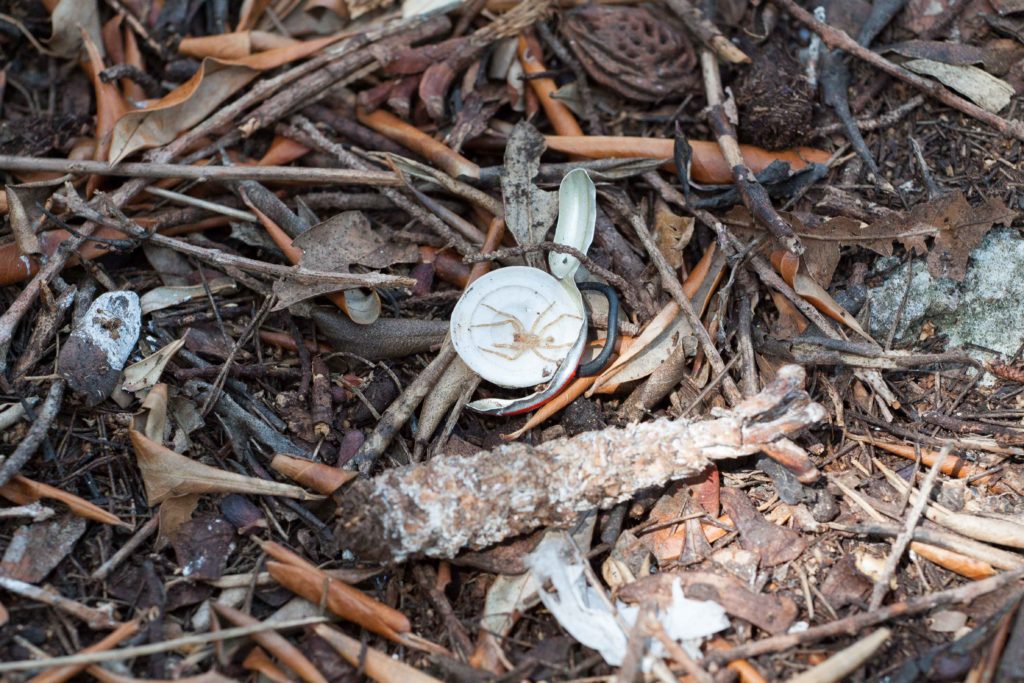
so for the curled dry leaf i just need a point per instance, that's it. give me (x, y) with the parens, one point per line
(110, 103)
(24, 213)
(160, 298)
(317, 476)
(348, 602)
(232, 45)
(987, 91)
(146, 373)
(792, 270)
(22, 491)
(92, 359)
(194, 100)
(341, 599)
(672, 233)
(166, 474)
(69, 18)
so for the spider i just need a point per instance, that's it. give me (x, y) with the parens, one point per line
(524, 340)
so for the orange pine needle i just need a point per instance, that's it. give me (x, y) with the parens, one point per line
(561, 118)
(313, 475)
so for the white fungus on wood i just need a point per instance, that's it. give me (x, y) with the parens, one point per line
(440, 507)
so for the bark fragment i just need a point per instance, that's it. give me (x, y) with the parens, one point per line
(437, 508)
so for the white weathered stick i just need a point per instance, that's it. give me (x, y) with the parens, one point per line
(450, 503)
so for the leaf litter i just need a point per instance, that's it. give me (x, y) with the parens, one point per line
(256, 421)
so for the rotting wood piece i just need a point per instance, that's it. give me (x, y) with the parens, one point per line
(450, 503)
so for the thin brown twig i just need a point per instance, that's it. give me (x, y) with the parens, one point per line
(853, 624)
(153, 171)
(706, 31)
(753, 194)
(670, 281)
(899, 546)
(33, 439)
(306, 132)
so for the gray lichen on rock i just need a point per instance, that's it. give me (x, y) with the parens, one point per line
(986, 309)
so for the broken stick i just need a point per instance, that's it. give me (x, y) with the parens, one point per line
(440, 507)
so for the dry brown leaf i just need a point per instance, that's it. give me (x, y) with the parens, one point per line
(110, 104)
(791, 268)
(985, 90)
(146, 373)
(172, 514)
(374, 663)
(529, 211)
(68, 18)
(342, 600)
(997, 56)
(672, 233)
(273, 642)
(166, 474)
(22, 491)
(235, 45)
(334, 245)
(317, 476)
(24, 214)
(194, 100)
(955, 226)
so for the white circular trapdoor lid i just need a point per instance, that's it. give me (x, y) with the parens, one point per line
(514, 326)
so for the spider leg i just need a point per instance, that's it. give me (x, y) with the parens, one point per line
(557, 320)
(510, 319)
(506, 356)
(540, 316)
(543, 357)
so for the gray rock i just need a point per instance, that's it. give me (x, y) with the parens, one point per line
(986, 309)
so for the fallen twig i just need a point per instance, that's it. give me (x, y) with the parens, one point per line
(707, 32)
(154, 648)
(294, 174)
(753, 194)
(836, 38)
(31, 442)
(899, 545)
(853, 624)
